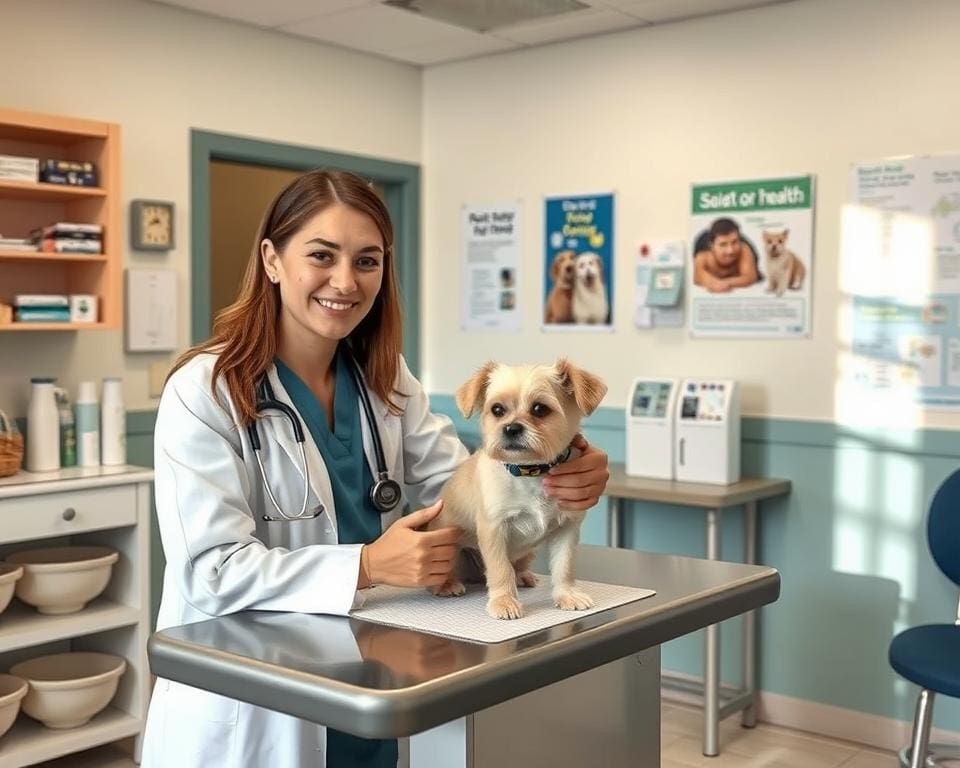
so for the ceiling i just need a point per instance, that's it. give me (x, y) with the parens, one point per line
(373, 27)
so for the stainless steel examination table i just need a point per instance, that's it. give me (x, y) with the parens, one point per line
(586, 692)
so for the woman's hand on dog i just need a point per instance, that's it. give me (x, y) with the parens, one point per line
(579, 483)
(406, 557)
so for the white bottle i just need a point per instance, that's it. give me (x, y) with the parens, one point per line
(43, 428)
(113, 424)
(87, 410)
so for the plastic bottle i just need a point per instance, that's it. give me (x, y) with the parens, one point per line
(68, 431)
(87, 409)
(43, 427)
(113, 424)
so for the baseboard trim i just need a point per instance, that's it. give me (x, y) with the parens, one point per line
(839, 723)
(835, 722)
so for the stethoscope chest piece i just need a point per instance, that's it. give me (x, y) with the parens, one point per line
(385, 494)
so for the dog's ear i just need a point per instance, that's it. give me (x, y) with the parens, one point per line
(470, 394)
(785, 233)
(587, 390)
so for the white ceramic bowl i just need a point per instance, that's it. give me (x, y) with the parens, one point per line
(67, 689)
(12, 690)
(63, 579)
(10, 573)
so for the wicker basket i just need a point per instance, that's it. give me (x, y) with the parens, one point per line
(11, 446)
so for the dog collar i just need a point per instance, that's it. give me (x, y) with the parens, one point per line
(535, 470)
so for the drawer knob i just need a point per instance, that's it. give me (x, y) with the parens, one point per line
(69, 513)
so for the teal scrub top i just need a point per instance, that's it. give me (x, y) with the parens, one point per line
(358, 521)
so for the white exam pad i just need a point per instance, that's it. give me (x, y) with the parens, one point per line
(465, 617)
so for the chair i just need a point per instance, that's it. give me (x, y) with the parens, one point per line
(929, 655)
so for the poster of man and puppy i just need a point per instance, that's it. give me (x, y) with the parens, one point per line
(578, 263)
(752, 253)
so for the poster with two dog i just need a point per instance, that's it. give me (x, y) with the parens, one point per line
(578, 263)
(751, 245)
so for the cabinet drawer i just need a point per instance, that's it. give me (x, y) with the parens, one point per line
(63, 514)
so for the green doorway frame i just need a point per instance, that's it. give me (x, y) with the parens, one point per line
(401, 184)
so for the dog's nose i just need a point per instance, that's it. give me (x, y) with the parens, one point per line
(513, 429)
(568, 269)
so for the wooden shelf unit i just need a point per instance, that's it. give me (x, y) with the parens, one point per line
(25, 206)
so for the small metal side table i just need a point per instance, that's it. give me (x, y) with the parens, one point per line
(712, 498)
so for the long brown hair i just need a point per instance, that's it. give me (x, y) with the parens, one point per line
(245, 333)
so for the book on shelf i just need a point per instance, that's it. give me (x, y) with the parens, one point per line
(70, 179)
(17, 244)
(69, 245)
(69, 230)
(41, 300)
(64, 166)
(15, 175)
(42, 315)
(80, 173)
(14, 168)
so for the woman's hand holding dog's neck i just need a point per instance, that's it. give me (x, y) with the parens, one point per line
(406, 557)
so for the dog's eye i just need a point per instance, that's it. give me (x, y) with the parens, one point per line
(540, 410)
(498, 410)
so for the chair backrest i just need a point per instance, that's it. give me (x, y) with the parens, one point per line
(943, 527)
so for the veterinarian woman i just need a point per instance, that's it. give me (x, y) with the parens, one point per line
(299, 526)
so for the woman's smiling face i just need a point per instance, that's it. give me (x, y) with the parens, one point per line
(329, 273)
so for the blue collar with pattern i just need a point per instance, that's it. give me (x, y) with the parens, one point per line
(536, 470)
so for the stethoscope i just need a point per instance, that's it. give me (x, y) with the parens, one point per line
(384, 493)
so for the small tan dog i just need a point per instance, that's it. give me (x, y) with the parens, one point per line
(784, 268)
(563, 272)
(530, 415)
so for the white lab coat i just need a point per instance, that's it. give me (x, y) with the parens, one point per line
(222, 557)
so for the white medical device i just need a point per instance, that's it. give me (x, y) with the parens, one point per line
(708, 431)
(650, 427)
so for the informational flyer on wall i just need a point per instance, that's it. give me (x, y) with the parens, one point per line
(900, 264)
(578, 263)
(491, 267)
(751, 247)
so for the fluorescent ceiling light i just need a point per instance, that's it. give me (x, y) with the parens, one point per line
(485, 15)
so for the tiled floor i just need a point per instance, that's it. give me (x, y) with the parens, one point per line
(765, 746)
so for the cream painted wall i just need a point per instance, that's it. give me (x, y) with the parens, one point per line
(804, 87)
(159, 72)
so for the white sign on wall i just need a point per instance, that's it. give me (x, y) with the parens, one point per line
(900, 264)
(151, 322)
(491, 267)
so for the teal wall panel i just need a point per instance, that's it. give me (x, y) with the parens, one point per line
(140, 426)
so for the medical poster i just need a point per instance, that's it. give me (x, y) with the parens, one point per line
(900, 266)
(751, 258)
(578, 263)
(491, 267)
(658, 284)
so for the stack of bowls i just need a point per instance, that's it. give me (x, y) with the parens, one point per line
(12, 690)
(10, 574)
(62, 579)
(67, 689)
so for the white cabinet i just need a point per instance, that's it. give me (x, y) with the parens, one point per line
(96, 505)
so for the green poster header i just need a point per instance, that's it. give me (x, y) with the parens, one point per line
(765, 195)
